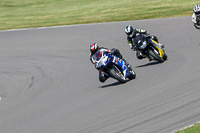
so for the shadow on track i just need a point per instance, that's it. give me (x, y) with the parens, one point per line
(114, 84)
(148, 64)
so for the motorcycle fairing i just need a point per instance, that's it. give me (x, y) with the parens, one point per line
(119, 62)
(102, 59)
(160, 50)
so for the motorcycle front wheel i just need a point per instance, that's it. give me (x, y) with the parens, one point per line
(165, 57)
(116, 74)
(155, 56)
(132, 74)
(197, 26)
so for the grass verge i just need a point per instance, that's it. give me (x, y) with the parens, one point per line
(15, 14)
(194, 129)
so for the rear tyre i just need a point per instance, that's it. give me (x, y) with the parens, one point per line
(155, 56)
(116, 74)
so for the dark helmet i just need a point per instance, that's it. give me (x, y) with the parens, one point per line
(94, 48)
(129, 30)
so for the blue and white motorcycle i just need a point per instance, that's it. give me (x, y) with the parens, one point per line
(113, 66)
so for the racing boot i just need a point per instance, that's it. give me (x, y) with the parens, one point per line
(140, 55)
(102, 77)
(150, 60)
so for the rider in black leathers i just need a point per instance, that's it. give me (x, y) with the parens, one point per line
(131, 33)
(95, 47)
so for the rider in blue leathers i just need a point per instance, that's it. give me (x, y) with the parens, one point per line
(94, 47)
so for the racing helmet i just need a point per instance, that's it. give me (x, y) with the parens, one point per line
(94, 48)
(129, 30)
(196, 9)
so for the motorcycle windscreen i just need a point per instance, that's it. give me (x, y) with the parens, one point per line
(139, 41)
(97, 56)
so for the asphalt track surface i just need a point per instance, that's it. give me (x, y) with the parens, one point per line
(48, 84)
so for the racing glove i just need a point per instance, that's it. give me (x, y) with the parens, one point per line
(132, 46)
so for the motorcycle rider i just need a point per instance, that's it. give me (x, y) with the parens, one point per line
(196, 16)
(94, 47)
(131, 33)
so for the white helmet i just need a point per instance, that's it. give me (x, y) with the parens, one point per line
(129, 30)
(196, 8)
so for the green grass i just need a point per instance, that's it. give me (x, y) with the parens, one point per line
(194, 129)
(16, 14)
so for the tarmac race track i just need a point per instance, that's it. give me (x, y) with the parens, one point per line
(49, 85)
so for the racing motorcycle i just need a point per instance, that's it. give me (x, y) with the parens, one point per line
(150, 48)
(197, 24)
(113, 66)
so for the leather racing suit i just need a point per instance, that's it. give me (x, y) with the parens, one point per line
(102, 76)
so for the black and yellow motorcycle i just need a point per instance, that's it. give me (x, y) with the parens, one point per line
(150, 48)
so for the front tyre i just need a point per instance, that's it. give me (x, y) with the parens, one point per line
(165, 57)
(132, 74)
(116, 74)
(155, 56)
(197, 26)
